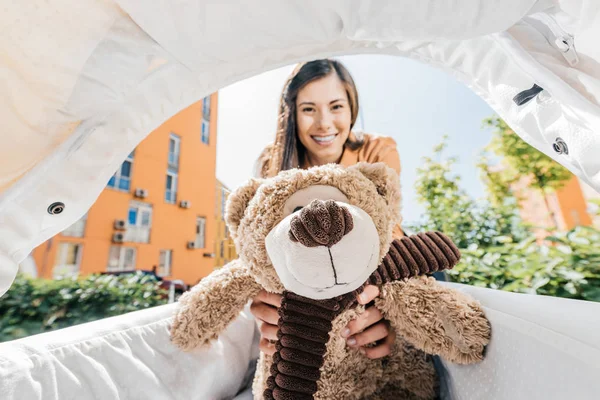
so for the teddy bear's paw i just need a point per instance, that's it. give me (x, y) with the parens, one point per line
(469, 332)
(188, 338)
(187, 330)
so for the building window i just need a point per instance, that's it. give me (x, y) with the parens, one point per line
(206, 108)
(122, 178)
(77, 229)
(68, 260)
(121, 258)
(222, 249)
(174, 147)
(172, 169)
(205, 131)
(165, 262)
(171, 187)
(200, 232)
(139, 222)
(205, 128)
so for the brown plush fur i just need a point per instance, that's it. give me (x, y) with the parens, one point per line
(436, 319)
(206, 310)
(428, 318)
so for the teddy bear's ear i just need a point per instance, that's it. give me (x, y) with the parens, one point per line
(386, 180)
(238, 202)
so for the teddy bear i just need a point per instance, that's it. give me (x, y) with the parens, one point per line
(317, 237)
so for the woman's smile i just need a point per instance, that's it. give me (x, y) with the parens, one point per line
(324, 140)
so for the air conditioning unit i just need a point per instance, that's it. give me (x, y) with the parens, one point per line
(120, 224)
(185, 204)
(192, 245)
(118, 237)
(140, 193)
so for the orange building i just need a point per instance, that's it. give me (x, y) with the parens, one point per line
(224, 246)
(564, 209)
(156, 211)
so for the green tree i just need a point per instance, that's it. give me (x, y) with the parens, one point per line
(449, 209)
(497, 182)
(498, 250)
(522, 160)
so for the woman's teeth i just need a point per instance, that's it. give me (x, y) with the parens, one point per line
(324, 139)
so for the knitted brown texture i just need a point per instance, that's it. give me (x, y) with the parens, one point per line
(304, 324)
(321, 223)
(420, 254)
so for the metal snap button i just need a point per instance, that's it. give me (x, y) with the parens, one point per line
(560, 146)
(56, 208)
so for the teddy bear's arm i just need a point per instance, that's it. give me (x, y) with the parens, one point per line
(206, 310)
(436, 319)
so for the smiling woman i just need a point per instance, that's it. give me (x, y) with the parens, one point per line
(318, 109)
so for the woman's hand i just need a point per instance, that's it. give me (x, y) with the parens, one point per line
(264, 308)
(370, 327)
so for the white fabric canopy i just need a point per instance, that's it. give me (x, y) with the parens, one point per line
(83, 83)
(542, 348)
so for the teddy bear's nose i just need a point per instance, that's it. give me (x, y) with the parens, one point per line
(321, 223)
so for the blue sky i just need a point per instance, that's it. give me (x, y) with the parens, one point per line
(412, 102)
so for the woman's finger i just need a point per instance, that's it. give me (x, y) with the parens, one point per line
(264, 312)
(272, 299)
(383, 349)
(266, 346)
(368, 294)
(371, 316)
(374, 333)
(268, 331)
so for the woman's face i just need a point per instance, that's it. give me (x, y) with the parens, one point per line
(323, 119)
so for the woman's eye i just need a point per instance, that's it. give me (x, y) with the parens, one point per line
(298, 208)
(307, 109)
(338, 106)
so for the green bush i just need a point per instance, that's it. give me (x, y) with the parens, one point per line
(565, 265)
(34, 306)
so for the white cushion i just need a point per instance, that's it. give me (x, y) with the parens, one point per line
(542, 348)
(126, 357)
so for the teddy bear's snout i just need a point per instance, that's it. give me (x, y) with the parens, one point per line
(321, 223)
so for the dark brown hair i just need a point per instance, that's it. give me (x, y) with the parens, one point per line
(288, 152)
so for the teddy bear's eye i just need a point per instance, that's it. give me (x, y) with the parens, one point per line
(298, 208)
